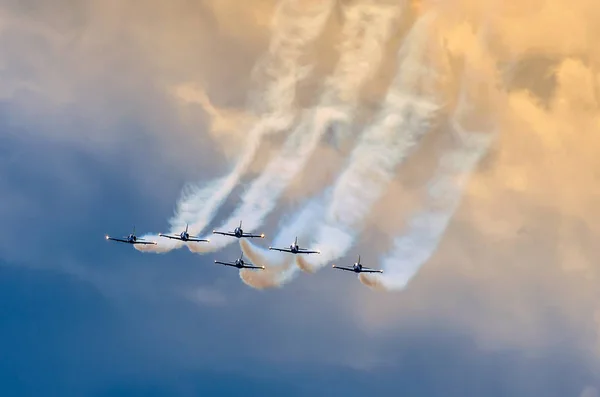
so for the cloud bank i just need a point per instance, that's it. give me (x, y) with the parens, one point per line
(502, 245)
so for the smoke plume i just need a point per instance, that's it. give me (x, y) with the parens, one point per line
(295, 26)
(366, 29)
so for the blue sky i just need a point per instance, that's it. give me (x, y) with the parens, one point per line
(92, 143)
(85, 317)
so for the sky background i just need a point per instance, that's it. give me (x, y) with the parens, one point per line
(97, 135)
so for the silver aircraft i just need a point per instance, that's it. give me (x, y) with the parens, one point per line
(239, 233)
(184, 236)
(295, 249)
(131, 239)
(358, 268)
(240, 264)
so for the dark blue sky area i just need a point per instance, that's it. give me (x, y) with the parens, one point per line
(81, 316)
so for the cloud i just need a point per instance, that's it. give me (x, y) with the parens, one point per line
(589, 391)
(515, 268)
(520, 243)
(207, 296)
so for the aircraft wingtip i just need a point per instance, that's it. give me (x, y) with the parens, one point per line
(262, 235)
(106, 237)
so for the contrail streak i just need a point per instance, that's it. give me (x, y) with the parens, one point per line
(279, 267)
(365, 32)
(295, 26)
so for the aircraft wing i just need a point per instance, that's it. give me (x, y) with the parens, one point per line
(144, 242)
(116, 239)
(224, 233)
(252, 267)
(280, 249)
(367, 270)
(195, 239)
(306, 251)
(253, 235)
(343, 268)
(171, 237)
(226, 263)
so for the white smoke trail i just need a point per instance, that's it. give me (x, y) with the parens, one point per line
(295, 26)
(426, 228)
(278, 266)
(409, 108)
(365, 33)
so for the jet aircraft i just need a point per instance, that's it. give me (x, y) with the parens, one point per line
(295, 249)
(240, 264)
(184, 236)
(358, 268)
(239, 233)
(131, 239)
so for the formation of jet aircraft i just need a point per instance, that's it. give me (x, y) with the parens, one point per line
(239, 263)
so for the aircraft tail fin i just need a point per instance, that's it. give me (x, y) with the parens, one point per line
(358, 260)
(186, 227)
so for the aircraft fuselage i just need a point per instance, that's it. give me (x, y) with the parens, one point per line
(238, 232)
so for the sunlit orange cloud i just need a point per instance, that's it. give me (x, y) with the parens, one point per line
(525, 237)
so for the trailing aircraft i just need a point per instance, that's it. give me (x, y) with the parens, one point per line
(239, 233)
(240, 264)
(295, 249)
(358, 268)
(184, 236)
